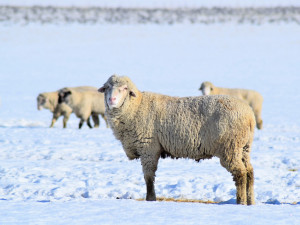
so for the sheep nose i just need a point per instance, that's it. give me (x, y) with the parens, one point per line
(112, 100)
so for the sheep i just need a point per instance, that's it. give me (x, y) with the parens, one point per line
(49, 100)
(84, 104)
(152, 126)
(253, 98)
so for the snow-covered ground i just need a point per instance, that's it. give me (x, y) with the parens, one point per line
(65, 176)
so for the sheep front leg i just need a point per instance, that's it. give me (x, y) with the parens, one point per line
(151, 196)
(52, 122)
(54, 118)
(149, 164)
(56, 115)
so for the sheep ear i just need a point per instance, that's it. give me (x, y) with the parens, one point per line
(131, 93)
(102, 89)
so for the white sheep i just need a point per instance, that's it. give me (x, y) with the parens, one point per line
(151, 126)
(84, 103)
(49, 100)
(253, 98)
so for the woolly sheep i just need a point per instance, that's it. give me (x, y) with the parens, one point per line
(151, 126)
(253, 98)
(84, 104)
(49, 100)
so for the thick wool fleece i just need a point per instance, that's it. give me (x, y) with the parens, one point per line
(151, 126)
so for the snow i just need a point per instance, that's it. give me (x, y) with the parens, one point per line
(65, 176)
(130, 212)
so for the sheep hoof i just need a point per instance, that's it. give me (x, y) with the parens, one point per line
(151, 198)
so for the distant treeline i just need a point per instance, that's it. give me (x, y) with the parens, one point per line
(97, 15)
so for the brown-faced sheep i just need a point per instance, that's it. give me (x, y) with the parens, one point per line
(253, 98)
(49, 100)
(84, 104)
(151, 126)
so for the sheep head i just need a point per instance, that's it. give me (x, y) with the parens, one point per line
(207, 88)
(41, 101)
(63, 95)
(117, 90)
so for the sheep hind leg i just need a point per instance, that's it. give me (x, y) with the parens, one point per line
(259, 122)
(250, 179)
(149, 168)
(65, 120)
(89, 123)
(240, 179)
(250, 187)
(96, 120)
(239, 173)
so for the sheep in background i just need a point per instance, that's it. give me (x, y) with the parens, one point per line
(49, 100)
(151, 126)
(84, 103)
(253, 98)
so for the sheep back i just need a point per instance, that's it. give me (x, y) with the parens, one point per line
(191, 127)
